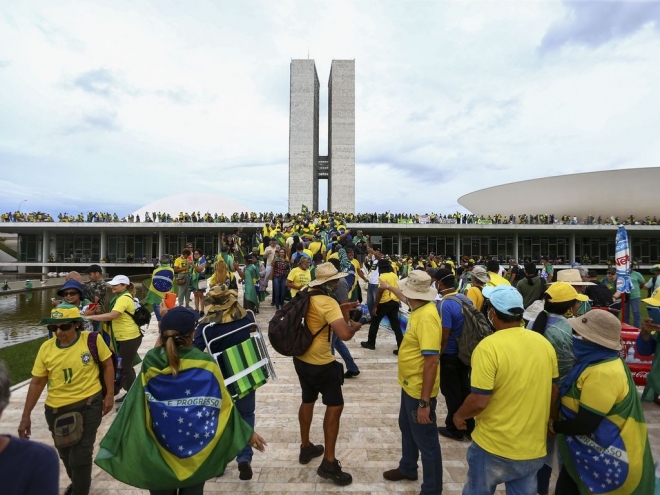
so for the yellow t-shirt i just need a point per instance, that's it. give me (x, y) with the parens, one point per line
(391, 279)
(601, 386)
(300, 277)
(516, 367)
(181, 262)
(316, 247)
(72, 373)
(123, 327)
(474, 294)
(496, 280)
(322, 310)
(422, 337)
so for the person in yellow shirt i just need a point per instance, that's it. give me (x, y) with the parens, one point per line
(71, 371)
(479, 277)
(513, 384)
(493, 267)
(300, 276)
(120, 324)
(319, 373)
(386, 304)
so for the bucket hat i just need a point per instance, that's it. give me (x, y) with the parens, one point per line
(326, 272)
(418, 286)
(571, 276)
(61, 313)
(600, 327)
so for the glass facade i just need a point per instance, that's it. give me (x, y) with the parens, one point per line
(486, 247)
(594, 250)
(175, 243)
(644, 250)
(531, 248)
(422, 245)
(77, 248)
(29, 249)
(129, 248)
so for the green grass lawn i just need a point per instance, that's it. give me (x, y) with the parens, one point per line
(19, 359)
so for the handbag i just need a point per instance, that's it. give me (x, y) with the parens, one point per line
(182, 280)
(202, 284)
(68, 429)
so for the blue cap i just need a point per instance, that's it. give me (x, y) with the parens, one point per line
(71, 284)
(505, 299)
(179, 319)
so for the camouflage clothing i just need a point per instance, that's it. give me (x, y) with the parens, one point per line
(94, 289)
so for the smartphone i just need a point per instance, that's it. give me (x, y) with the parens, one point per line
(92, 306)
(654, 313)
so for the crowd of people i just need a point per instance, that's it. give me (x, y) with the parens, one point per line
(526, 359)
(386, 217)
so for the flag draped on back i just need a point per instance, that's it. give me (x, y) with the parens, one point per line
(174, 432)
(616, 458)
(162, 281)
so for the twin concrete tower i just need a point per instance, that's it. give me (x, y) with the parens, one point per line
(306, 166)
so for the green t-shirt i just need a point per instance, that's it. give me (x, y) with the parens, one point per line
(637, 280)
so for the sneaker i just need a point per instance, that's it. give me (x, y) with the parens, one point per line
(447, 433)
(308, 453)
(396, 475)
(332, 471)
(367, 345)
(244, 471)
(351, 374)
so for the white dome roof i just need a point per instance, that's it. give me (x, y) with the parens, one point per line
(192, 202)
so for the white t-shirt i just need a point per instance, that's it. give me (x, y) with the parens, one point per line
(373, 274)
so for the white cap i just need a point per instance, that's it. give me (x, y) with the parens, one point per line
(119, 279)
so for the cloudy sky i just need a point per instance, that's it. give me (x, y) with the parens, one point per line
(107, 106)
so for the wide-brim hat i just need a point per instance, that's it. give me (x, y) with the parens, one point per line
(563, 292)
(61, 314)
(571, 276)
(326, 272)
(418, 286)
(480, 274)
(600, 327)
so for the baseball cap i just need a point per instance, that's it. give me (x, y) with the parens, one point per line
(592, 273)
(505, 299)
(93, 269)
(611, 270)
(119, 279)
(563, 292)
(179, 319)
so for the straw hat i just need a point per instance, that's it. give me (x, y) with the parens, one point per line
(562, 292)
(600, 327)
(325, 273)
(571, 276)
(418, 286)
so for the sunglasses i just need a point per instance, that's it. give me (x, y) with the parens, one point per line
(62, 326)
(70, 293)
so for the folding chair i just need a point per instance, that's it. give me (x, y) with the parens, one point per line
(240, 350)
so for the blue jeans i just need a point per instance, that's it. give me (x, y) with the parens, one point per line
(345, 354)
(246, 407)
(416, 439)
(632, 305)
(279, 289)
(486, 471)
(371, 296)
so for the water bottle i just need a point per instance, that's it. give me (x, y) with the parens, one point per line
(119, 370)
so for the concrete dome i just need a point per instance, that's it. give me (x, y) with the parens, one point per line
(618, 193)
(192, 202)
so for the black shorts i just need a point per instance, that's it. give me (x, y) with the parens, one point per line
(326, 379)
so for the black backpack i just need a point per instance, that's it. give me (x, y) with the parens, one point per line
(288, 331)
(475, 329)
(141, 316)
(94, 350)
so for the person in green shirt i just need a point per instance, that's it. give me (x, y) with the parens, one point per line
(251, 276)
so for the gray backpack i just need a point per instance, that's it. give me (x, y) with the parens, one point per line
(475, 329)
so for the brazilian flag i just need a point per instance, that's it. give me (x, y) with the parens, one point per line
(304, 209)
(280, 239)
(616, 458)
(173, 432)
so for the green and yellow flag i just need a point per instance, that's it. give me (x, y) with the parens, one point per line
(172, 432)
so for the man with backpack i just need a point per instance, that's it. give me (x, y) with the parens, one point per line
(318, 372)
(454, 374)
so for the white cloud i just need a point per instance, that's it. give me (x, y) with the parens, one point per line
(148, 100)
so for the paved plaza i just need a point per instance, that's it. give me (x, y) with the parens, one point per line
(369, 437)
